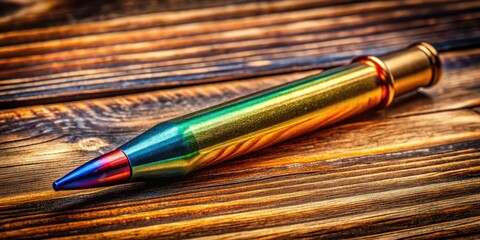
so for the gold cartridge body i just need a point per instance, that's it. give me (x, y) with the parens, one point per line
(222, 132)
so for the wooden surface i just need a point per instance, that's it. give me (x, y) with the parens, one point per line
(79, 78)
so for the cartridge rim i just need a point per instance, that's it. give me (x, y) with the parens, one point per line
(434, 58)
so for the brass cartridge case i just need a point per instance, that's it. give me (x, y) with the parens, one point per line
(222, 132)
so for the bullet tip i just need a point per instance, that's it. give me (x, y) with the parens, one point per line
(55, 186)
(109, 169)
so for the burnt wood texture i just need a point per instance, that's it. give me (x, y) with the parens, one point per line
(80, 78)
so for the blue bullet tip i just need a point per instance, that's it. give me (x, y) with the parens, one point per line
(109, 169)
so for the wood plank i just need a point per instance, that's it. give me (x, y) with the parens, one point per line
(334, 168)
(193, 28)
(409, 171)
(78, 145)
(19, 17)
(422, 174)
(144, 15)
(385, 192)
(120, 62)
(82, 130)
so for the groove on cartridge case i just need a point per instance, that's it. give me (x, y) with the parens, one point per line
(384, 75)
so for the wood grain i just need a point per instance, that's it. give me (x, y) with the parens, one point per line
(150, 57)
(401, 163)
(36, 18)
(409, 171)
